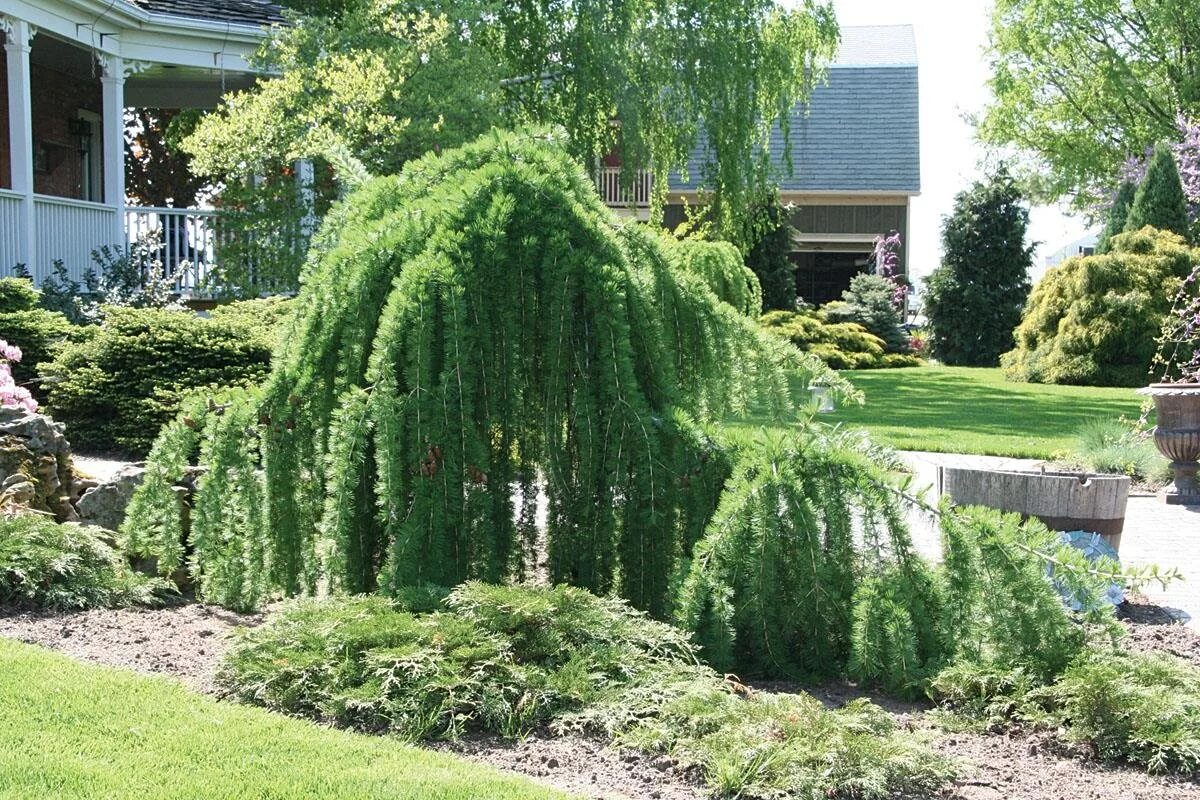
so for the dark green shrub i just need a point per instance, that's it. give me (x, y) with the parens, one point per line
(868, 302)
(974, 298)
(47, 565)
(118, 386)
(506, 660)
(1160, 202)
(769, 258)
(40, 334)
(17, 294)
(776, 585)
(1117, 216)
(1095, 320)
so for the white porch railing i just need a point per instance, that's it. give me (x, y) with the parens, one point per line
(608, 183)
(10, 230)
(183, 240)
(69, 230)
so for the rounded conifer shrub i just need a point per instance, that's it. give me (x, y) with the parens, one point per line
(124, 379)
(1094, 320)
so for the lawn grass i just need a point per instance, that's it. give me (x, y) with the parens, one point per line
(972, 410)
(69, 730)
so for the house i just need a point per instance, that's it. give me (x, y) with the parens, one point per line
(70, 69)
(1080, 247)
(855, 162)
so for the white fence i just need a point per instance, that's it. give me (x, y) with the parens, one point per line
(68, 231)
(608, 183)
(10, 230)
(181, 242)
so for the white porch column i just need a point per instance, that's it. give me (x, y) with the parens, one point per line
(113, 97)
(18, 39)
(306, 193)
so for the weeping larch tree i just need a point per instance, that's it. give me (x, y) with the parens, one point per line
(480, 331)
(469, 331)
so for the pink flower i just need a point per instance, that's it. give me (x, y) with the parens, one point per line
(10, 393)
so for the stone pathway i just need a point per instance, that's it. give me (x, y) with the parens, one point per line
(1155, 533)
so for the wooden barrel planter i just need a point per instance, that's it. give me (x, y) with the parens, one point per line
(1064, 501)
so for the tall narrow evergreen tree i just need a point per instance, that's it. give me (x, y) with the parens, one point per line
(1117, 215)
(1160, 201)
(975, 297)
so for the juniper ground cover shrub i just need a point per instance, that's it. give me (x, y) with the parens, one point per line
(47, 565)
(506, 660)
(1094, 320)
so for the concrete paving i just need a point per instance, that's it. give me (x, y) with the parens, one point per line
(1155, 533)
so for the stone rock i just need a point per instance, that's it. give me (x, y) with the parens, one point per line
(35, 463)
(104, 504)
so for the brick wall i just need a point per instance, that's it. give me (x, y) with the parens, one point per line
(57, 99)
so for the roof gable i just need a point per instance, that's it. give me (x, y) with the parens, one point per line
(860, 130)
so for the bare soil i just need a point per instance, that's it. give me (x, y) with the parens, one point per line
(187, 642)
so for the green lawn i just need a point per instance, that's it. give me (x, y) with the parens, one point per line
(966, 410)
(69, 730)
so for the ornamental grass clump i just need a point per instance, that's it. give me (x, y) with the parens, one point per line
(511, 660)
(471, 331)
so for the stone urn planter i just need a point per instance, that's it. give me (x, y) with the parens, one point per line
(1064, 501)
(1177, 436)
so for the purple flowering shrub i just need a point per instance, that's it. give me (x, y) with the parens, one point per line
(886, 257)
(1187, 157)
(1178, 355)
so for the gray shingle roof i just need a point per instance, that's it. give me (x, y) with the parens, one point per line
(877, 46)
(860, 129)
(239, 12)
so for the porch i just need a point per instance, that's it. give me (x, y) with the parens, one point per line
(69, 78)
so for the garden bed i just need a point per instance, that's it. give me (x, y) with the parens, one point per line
(187, 642)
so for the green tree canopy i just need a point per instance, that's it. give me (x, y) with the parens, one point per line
(1081, 85)
(387, 80)
(1160, 201)
(974, 298)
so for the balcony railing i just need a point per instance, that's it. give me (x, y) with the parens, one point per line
(10, 230)
(184, 241)
(613, 193)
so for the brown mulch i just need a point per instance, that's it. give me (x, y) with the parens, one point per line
(187, 642)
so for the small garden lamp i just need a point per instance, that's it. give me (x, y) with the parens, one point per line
(821, 396)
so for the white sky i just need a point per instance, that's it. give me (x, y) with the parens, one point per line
(951, 36)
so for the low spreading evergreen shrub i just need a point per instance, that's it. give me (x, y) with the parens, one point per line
(267, 318)
(47, 565)
(124, 379)
(507, 660)
(1139, 708)
(841, 345)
